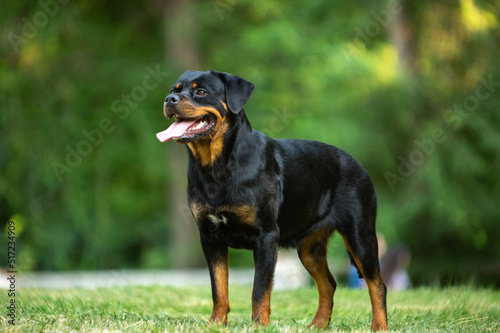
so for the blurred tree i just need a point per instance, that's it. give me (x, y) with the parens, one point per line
(181, 49)
(446, 207)
(78, 162)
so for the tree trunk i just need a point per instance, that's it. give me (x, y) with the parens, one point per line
(181, 52)
(403, 36)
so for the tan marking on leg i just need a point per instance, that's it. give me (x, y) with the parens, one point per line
(221, 304)
(318, 268)
(379, 309)
(261, 311)
(377, 294)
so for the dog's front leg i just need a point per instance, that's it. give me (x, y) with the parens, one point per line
(265, 255)
(217, 261)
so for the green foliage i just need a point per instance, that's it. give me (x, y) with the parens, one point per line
(90, 192)
(167, 309)
(334, 72)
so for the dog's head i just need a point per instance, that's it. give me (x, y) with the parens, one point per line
(201, 103)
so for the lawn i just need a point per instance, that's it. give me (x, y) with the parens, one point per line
(156, 309)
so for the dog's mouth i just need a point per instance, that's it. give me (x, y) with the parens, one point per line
(185, 130)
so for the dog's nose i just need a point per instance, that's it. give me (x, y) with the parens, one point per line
(172, 99)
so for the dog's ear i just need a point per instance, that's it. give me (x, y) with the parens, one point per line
(238, 91)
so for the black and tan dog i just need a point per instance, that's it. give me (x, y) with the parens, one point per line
(249, 191)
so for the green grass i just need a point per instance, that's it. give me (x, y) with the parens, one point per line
(157, 309)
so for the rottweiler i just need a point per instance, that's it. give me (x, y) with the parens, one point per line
(249, 191)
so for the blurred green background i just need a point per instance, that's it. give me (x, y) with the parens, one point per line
(410, 88)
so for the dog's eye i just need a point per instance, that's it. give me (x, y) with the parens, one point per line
(172, 91)
(201, 92)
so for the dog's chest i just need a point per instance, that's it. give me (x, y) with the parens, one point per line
(223, 215)
(217, 219)
(235, 224)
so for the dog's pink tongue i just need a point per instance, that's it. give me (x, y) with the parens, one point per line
(175, 130)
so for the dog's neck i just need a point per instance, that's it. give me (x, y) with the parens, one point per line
(208, 150)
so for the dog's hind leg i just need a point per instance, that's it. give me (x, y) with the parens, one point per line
(313, 254)
(364, 251)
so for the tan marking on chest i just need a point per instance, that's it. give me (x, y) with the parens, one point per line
(245, 214)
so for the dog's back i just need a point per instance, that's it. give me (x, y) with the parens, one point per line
(324, 187)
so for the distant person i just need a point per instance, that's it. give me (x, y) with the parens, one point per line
(393, 266)
(354, 280)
